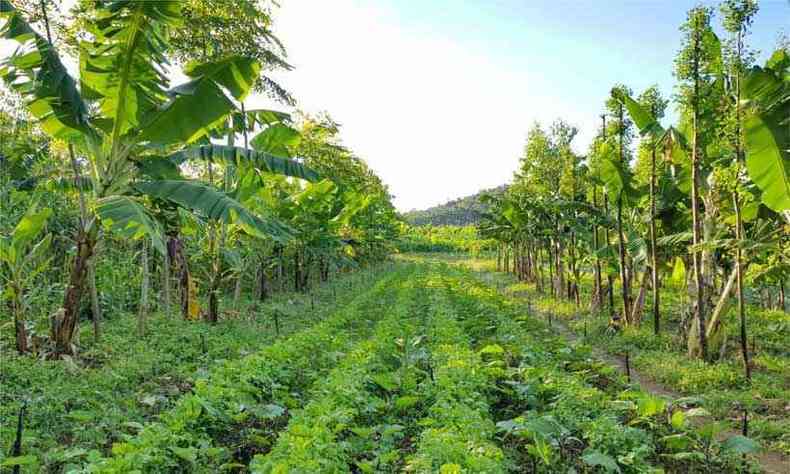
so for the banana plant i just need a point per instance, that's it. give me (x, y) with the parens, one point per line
(23, 256)
(766, 101)
(121, 112)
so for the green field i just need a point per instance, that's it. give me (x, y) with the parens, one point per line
(204, 270)
(422, 367)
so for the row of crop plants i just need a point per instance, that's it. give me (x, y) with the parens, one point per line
(411, 398)
(239, 410)
(314, 440)
(458, 429)
(145, 376)
(720, 388)
(558, 409)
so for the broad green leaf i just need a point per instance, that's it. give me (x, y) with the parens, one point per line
(214, 205)
(676, 442)
(127, 216)
(124, 67)
(157, 167)
(450, 468)
(678, 419)
(238, 156)
(277, 139)
(741, 444)
(236, 74)
(678, 277)
(270, 411)
(39, 250)
(29, 227)
(766, 94)
(355, 204)
(616, 178)
(597, 458)
(189, 116)
(768, 159)
(649, 406)
(37, 73)
(187, 454)
(201, 105)
(18, 461)
(643, 119)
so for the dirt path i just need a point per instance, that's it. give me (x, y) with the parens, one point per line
(772, 462)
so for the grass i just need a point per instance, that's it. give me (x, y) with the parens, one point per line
(721, 387)
(112, 387)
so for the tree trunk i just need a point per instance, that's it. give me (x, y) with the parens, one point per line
(722, 304)
(639, 303)
(653, 245)
(739, 278)
(64, 322)
(166, 283)
(609, 278)
(624, 276)
(551, 267)
(595, 302)
(95, 306)
(695, 204)
(297, 272)
(142, 313)
(624, 279)
(175, 250)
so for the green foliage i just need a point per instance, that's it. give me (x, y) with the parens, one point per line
(460, 212)
(430, 238)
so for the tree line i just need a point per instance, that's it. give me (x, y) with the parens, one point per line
(202, 195)
(700, 207)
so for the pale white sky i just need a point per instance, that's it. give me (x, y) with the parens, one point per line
(433, 118)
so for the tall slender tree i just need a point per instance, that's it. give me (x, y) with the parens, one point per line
(692, 69)
(737, 17)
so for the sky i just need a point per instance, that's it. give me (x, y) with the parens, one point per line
(437, 96)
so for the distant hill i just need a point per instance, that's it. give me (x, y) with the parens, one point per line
(461, 211)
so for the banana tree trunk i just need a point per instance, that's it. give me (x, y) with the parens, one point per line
(639, 303)
(21, 334)
(64, 322)
(142, 313)
(166, 283)
(95, 306)
(722, 304)
(175, 250)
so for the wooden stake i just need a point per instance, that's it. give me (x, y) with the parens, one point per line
(17, 448)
